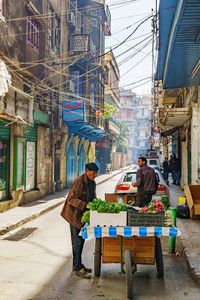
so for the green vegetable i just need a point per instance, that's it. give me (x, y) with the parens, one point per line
(165, 201)
(102, 207)
(85, 217)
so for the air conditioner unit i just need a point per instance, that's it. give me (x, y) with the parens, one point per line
(70, 86)
(71, 19)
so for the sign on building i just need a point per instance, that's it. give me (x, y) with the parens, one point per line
(73, 110)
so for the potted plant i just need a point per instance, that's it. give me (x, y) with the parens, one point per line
(2, 188)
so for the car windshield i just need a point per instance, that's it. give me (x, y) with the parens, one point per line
(130, 177)
(153, 162)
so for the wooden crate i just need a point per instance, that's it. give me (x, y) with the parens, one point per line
(125, 198)
(142, 249)
(192, 193)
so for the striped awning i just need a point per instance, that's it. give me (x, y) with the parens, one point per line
(127, 231)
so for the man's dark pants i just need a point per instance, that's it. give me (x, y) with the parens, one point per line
(143, 199)
(77, 247)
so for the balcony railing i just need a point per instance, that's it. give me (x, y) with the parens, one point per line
(81, 44)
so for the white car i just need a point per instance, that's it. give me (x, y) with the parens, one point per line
(124, 185)
(154, 163)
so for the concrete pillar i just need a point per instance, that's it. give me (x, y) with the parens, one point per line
(184, 164)
(195, 143)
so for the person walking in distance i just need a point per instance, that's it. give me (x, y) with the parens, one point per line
(166, 170)
(146, 182)
(172, 167)
(82, 191)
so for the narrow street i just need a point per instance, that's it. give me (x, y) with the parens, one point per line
(36, 264)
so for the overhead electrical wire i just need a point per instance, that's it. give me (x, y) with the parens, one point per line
(121, 43)
(112, 50)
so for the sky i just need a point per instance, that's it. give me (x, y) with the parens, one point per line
(136, 64)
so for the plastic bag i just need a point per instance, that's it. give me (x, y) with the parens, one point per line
(183, 211)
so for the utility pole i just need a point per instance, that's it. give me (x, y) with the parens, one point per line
(153, 107)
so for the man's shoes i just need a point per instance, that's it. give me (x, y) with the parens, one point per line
(87, 269)
(83, 273)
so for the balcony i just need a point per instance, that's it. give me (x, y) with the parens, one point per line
(113, 128)
(17, 106)
(78, 43)
(81, 44)
(176, 116)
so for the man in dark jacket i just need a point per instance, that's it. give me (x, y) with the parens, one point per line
(146, 182)
(166, 170)
(82, 191)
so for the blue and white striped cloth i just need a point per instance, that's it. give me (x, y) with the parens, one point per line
(127, 231)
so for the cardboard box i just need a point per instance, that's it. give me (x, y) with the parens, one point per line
(108, 219)
(192, 193)
(120, 198)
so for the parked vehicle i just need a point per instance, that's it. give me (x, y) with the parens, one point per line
(154, 163)
(124, 184)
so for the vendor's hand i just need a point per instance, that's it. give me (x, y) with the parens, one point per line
(133, 184)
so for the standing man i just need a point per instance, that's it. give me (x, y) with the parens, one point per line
(146, 182)
(172, 167)
(82, 191)
(166, 170)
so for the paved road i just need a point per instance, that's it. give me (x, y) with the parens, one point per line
(36, 264)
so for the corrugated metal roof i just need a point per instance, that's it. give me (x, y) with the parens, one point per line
(183, 46)
(166, 15)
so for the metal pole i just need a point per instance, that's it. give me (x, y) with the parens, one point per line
(172, 240)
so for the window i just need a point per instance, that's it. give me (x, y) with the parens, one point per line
(33, 33)
(50, 25)
(57, 34)
(130, 177)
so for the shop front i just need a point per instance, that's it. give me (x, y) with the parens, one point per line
(25, 159)
(4, 159)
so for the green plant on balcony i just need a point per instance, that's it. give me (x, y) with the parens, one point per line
(2, 184)
(109, 110)
(122, 139)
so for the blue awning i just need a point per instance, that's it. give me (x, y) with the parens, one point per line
(166, 15)
(86, 131)
(179, 44)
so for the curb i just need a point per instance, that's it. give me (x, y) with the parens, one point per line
(46, 210)
(194, 271)
(191, 256)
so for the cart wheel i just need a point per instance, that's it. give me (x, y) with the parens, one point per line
(97, 258)
(159, 258)
(129, 274)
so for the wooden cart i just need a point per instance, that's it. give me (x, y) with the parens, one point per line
(128, 252)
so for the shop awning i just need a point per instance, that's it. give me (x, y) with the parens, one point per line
(179, 43)
(13, 119)
(176, 116)
(19, 105)
(86, 131)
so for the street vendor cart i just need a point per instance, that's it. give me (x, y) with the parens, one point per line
(128, 246)
(128, 238)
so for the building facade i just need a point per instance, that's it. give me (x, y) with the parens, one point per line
(51, 94)
(177, 85)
